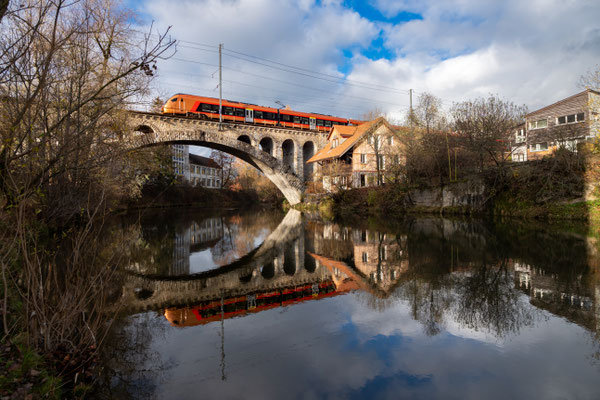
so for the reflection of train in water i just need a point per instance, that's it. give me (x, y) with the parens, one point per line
(208, 108)
(235, 306)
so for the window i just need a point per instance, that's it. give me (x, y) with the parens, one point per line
(365, 257)
(208, 108)
(228, 110)
(305, 120)
(363, 158)
(327, 124)
(258, 114)
(297, 119)
(381, 161)
(319, 122)
(175, 99)
(539, 146)
(391, 140)
(286, 118)
(540, 123)
(520, 136)
(570, 119)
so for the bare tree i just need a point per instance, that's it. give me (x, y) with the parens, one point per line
(68, 71)
(428, 112)
(227, 171)
(486, 125)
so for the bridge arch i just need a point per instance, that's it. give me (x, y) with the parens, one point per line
(288, 150)
(290, 185)
(267, 145)
(245, 139)
(308, 150)
(277, 152)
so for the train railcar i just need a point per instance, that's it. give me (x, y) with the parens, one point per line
(208, 108)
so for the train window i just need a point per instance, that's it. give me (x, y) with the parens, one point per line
(227, 110)
(328, 124)
(239, 112)
(297, 119)
(258, 114)
(305, 120)
(319, 122)
(175, 99)
(286, 118)
(206, 108)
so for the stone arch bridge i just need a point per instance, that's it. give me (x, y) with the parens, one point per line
(279, 153)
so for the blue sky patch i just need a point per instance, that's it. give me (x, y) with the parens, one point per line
(371, 13)
(378, 50)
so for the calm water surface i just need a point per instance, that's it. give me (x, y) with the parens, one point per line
(262, 305)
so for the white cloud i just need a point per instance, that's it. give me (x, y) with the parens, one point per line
(528, 52)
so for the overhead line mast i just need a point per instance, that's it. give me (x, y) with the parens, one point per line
(220, 87)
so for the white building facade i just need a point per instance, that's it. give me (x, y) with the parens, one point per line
(204, 172)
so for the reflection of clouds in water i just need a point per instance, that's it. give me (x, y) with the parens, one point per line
(339, 348)
(353, 347)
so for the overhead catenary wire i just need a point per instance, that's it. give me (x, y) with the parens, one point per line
(292, 84)
(294, 70)
(346, 109)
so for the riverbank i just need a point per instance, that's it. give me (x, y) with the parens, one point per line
(561, 187)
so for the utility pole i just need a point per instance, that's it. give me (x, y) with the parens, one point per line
(220, 87)
(410, 115)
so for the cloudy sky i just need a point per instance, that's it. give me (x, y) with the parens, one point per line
(347, 57)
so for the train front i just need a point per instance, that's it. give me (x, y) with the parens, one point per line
(175, 105)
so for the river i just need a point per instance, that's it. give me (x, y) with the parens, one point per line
(265, 305)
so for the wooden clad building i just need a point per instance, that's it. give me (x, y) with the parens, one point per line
(566, 123)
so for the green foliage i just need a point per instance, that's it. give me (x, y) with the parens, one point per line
(25, 372)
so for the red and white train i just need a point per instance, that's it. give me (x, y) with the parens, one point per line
(208, 108)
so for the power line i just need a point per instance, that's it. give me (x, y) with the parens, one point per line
(375, 101)
(330, 105)
(295, 70)
(290, 69)
(331, 101)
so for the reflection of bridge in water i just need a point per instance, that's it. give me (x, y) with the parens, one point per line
(278, 262)
(287, 262)
(301, 261)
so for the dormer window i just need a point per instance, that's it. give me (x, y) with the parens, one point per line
(335, 143)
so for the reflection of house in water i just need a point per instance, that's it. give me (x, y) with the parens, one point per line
(196, 237)
(576, 301)
(380, 256)
(205, 234)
